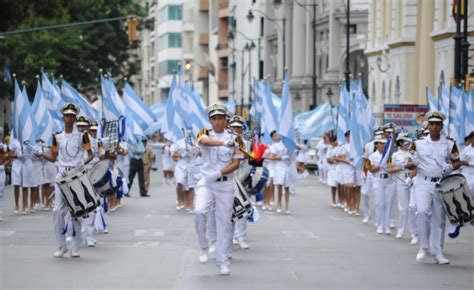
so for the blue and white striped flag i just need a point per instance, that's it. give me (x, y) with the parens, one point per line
(24, 124)
(43, 119)
(444, 105)
(386, 152)
(343, 113)
(173, 123)
(470, 112)
(271, 114)
(136, 108)
(54, 102)
(110, 108)
(73, 96)
(457, 115)
(194, 113)
(286, 128)
(315, 122)
(432, 102)
(231, 106)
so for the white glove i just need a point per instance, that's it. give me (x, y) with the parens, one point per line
(285, 157)
(213, 176)
(230, 143)
(184, 154)
(447, 168)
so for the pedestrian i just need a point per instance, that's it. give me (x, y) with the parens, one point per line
(67, 151)
(220, 161)
(147, 162)
(435, 156)
(137, 151)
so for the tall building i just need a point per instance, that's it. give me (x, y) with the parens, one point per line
(222, 48)
(410, 48)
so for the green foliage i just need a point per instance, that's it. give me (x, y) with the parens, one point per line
(77, 53)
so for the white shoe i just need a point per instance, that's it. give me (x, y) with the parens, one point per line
(243, 245)
(440, 259)
(287, 212)
(388, 232)
(90, 243)
(392, 225)
(399, 236)
(61, 252)
(75, 254)
(235, 242)
(379, 231)
(212, 249)
(264, 207)
(333, 204)
(421, 256)
(365, 220)
(224, 270)
(203, 257)
(414, 240)
(105, 231)
(278, 210)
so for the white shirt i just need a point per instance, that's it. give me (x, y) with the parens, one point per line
(15, 146)
(216, 158)
(330, 155)
(375, 160)
(400, 159)
(431, 157)
(467, 154)
(188, 151)
(279, 150)
(70, 148)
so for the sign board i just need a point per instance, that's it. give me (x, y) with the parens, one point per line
(404, 116)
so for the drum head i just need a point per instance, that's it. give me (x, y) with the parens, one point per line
(99, 171)
(451, 182)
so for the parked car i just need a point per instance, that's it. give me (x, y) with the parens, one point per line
(312, 154)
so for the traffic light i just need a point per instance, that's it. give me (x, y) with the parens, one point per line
(132, 23)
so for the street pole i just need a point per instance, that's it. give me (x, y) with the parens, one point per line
(457, 45)
(465, 44)
(284, 47)
(348, 31)
(315, 81)
(250, 80)
(242, 73)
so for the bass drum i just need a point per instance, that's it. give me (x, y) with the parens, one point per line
(254, 179)
(456, 198)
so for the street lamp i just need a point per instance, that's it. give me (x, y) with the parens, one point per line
(348, 31)
(249, 47)
(329, 95)
(251, 16)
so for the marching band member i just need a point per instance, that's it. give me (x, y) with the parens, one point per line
(185, 153)
(381, 187)
(3, 162)
(434, 157)
(16, 174)
(220, 161)
(280, 155)
(123, 165)
(47, 176)
(467, 161)
(347, 174)
(322, 149)
(269, 192)
(389, 131)
(168, 163)
(368, 177)
(29, 178)
(332, 169)
(67, 151)
(237, 124)
(301, 159)
(402, 180)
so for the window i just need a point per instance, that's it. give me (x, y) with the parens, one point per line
(175, 12)
(174, 39)
(167, 67)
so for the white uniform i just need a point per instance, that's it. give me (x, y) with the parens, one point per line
(219, 191)
(432, 161)
(367, 182)
(347, 170)
(331, 181)
(29, 174)
(168, 162)
(88, 222)
(17, 163)
(70, 155)
(240, 231)
(467, 154)
(2, 180)
(322, 149)
(383, 188)
(186, 171)
(123, 162)
(280, 166)
(402, 185)
(269, 164)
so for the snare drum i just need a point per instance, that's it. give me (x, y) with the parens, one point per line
(102, 179)
(456, 198)
(78, 192)
(242, 206)
(253, 179)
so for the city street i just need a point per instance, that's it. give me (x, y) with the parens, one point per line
(152, 245)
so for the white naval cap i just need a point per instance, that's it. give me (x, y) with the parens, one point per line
(216, 109)
(434, 116)
(70, 109)
(389, 127)
(379, 139)
(93, 125)
(237, 121)
(404, 137)
(82, 121)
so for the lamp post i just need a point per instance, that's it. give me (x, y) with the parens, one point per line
(249, 46)
(348, 31)
(329, 95)
(251, 16)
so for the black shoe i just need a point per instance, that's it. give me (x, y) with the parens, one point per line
(127, 195)
(144, 195)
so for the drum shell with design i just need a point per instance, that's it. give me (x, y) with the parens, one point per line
(254, 178)
(101, 177)
(78, 192)
(455, 196)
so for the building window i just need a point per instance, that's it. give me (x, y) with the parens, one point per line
(174, 40)
(167, 67)
(175, 12)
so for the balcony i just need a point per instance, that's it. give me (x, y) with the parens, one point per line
(202, 73)
(222, 50)
(203, 5)
(203, 38)
(223, 91)
(223, 11)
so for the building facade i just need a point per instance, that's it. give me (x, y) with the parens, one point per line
(410, 48)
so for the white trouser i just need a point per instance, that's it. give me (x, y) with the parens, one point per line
(366, 190)
(430, 216)
(403, 193)
(240, 232)
(59, 215)
(412, 211)
(88, 227)
(2, 187)
(383, 189)
(222, 194)
(211, 225)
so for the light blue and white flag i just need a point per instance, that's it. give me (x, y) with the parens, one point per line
(432, 102)
(173, 125)
(271, 114)
(111, 110)
(137, 109)
(315, 122)
(457, 115)
(470, 112)
(444, 105)
(231, 106)
(365, 117)
(71, 95)
(386, 152)
(54, 102)
(193, 110)
(343, 113)
(286, 128)
(24, 124)
(358, 125)
(158, 109)
(43, 119)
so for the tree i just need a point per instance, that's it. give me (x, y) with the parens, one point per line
(78, 52)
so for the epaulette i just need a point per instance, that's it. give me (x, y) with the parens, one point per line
(202, 132)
